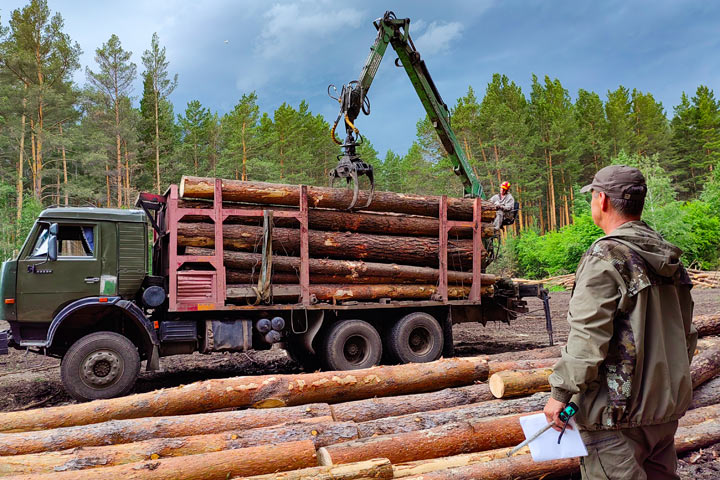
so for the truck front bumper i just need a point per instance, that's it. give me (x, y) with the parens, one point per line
(4, 341)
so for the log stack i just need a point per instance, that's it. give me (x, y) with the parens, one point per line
(393, 432)
(391, 250)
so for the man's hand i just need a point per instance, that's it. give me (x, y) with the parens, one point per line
(552, 413)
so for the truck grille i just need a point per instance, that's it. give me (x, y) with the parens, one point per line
(195, 286)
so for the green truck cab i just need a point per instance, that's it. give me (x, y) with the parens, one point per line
(72, 293)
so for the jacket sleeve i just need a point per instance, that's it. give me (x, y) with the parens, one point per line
(590, 314)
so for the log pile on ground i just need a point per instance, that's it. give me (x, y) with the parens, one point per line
(700, 278)
(417, 421)
(389, 251)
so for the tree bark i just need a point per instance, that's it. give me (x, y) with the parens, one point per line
(360, 222)
(19, 182)
(442, 441)
(342, 292)
(699, 415)
(247, 277)
(321, 433)
(706, 394)
(374, 408)
(514, 383)
(139, 429)
(325, 197)
(356, 246)
(707, 324)
(209, 466)
(65, 173)
(418, 467)
(344, 268)
(466, 413)
(259, 391)
(378, 468)
(517, 468)
(495, 366)
(705, 366)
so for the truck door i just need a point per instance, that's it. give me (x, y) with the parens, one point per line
(45, 286)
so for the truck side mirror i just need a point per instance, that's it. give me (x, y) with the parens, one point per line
(53, 242)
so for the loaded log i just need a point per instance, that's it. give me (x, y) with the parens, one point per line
(355, 246)
(325, 197)
(357, 292)
(259, 391)
(138, 429)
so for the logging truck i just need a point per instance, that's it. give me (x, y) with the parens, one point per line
(237, 266)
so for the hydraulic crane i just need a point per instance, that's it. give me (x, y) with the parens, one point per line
(353, 99)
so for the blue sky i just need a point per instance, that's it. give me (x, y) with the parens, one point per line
(291, 50)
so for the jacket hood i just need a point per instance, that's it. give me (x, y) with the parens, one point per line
(662, 256)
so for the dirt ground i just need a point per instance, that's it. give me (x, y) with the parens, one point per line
(32, 381)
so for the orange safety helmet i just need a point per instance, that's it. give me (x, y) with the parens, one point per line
(505, 186)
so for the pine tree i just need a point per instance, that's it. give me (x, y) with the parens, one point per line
(113, 81)
(156, 74)
(194, 127)
(240, 138)
(592, 135)
(620, 128)
(650, 125)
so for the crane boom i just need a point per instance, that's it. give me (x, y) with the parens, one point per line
(395, 31)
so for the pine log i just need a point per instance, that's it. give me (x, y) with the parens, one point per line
(208, 466)
(258, 391)
(359, 222)
(707, 324)
(358, 292)
(418, 467)
(442, 441)
(320, 433)
(376, 468)
(515, 383)
(495, 366)
(517, 468)
(246, 278)
(374, 408)
(695, 437)
(325, 197)
(138, 429)
(247, 261)
(421, 251)
(706, 394)
(466, 413)
(705, 366)
(699, 415)
(532, 354)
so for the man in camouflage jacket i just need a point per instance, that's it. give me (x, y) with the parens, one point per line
(627, 360)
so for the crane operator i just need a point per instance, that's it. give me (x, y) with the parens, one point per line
(505, 203)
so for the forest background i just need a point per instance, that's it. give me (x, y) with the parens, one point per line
(96, 145)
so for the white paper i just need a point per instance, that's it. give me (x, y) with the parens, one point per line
(545, 447)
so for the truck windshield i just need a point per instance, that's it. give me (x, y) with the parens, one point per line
(73, 241)
(41, 244)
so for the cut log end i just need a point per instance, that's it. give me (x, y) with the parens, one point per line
(323, 457)
(497, 386)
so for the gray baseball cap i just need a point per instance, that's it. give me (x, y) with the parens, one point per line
(615, 180)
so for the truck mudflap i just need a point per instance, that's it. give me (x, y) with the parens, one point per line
(4, 342)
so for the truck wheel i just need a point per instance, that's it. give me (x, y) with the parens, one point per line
(350, 345)
(100, 365)
(416, 338)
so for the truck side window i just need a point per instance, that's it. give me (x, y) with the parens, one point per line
(41, 244)
(75, 241)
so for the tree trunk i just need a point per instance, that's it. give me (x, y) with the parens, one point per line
(699, 415)
(706, 394)
(378, 468)
(343, 292)
(320, 433)
(519, 467)
(157, 136)
(325, 197)
(259, 391)
(374, 408)
(466, 413)
(495, 366)
(418, 467)
(360, 222)
(107, 183)
(442, 441)
(698, 436)
(209, 466)
(421, 251)
(707, 324)
(244, 158)
(127, 175)
(705, 366)
(19, 183)
(246, 261)
(65, 172)
(138, 429)
(117, 148)
(247, 277)
(515, 383)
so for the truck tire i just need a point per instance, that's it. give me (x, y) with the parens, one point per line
(351, 345)
(416, 338)
(100, 365)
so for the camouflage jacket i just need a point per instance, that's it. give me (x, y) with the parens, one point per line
(631, 340)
